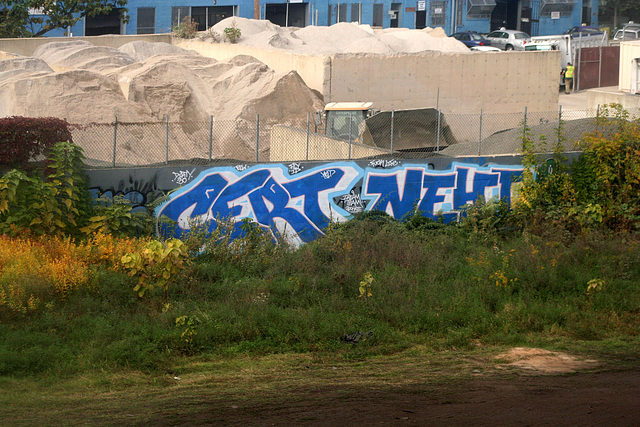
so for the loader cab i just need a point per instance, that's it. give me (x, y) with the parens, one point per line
(343, 119)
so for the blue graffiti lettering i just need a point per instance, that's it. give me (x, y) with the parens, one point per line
(396, 193)
(300, 204)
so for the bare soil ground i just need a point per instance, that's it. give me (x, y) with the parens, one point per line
(539, 388)
(594, 399)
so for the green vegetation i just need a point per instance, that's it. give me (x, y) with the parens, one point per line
(17, 21)
(186, 29)
(558, 270)
(232, 34)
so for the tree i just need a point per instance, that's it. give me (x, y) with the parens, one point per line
(17, 21)
(614, 9)
(13, 19)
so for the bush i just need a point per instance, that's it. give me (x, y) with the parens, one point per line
(57, 206)
(23, 139)
(601, 190)
(232, 34)
(607, 178)
(187, 29)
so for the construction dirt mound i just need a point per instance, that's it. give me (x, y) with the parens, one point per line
(342, 37)
(146, 82)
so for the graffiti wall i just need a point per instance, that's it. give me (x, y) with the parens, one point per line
(298, 201)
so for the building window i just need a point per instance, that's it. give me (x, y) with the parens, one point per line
(178, 14)
(460, 5)
(586, 12)
(146, 20)
(342, 12)
(355, 12)
(438, 13)
(377, 15)
(480, 8)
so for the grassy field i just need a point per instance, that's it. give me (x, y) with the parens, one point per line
(374, 302)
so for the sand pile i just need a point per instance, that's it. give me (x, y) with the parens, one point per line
(510, 141)
(342, 37)
(146, 82)
(141, 50)
(78, 54)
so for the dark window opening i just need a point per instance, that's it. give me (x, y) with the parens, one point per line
(146, 22)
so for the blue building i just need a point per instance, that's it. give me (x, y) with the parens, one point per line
(536, 17)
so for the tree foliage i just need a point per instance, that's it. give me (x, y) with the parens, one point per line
(613, 10)
(26, 138)
(16, 21)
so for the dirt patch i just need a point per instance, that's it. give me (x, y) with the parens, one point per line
(593, 399)
(536, 360)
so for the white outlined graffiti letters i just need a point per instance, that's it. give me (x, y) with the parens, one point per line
(299, 207)
(302, 205)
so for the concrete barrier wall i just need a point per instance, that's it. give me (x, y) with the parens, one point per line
(26, 46)
(600, 97)
(302, 197)
(457, 83)
(300, 200)
(315, 70)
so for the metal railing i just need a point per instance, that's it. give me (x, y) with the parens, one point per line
(398, 134)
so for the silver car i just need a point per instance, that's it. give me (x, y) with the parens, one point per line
(508, 39)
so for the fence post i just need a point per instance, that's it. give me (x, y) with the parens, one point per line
(438, 136)
(599, 65)
(210, 137)
(257, 136)
(392, 119)
(166, 148)
(480, 136)
(524, 122)
(576, 75)
(438, 125)
(559, 121)
(115, 138)
(350, 123)
(308, 119)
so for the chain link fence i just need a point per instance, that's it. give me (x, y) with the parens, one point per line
(399, 134)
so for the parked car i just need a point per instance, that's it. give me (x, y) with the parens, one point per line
(629, 32)
(508, 39)
(471, 39)
(584, 30)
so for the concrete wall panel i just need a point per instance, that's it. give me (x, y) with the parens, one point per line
(300, 200)
(508, 81)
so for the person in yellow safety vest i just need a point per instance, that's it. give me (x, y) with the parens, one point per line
(568, 78)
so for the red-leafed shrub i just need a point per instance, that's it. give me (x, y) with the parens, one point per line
(24, 138)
